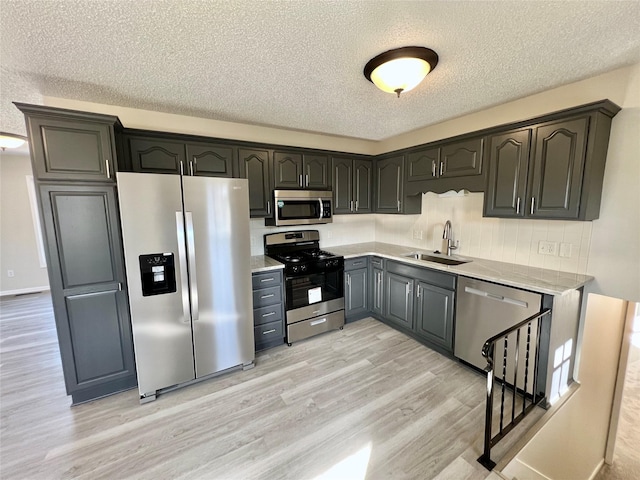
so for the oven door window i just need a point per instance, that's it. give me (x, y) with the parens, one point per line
(314, 288)
(298, 209)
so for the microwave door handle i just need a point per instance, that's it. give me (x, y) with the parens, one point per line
(320, 202)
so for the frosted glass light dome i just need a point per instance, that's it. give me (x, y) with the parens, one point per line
(400, 70)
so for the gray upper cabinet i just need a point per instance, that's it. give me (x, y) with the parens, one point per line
(316, 172)
(508, 167)
(300, 171)
(552, 170)
(461, 158)
(254, 166)
(352, 180)
(287, 168)
(152, 155)
(434, 314)
(557, 169)
(389, 184)
(210, 160)
(92, 158)
(423, 165)
(88, 289)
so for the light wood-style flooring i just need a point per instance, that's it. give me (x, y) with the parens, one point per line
(365, 402)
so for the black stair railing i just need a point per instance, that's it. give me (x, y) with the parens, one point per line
(529, 395)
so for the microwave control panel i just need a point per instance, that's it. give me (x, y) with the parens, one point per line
(326, 209)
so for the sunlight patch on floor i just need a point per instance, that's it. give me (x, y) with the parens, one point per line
(354, 467)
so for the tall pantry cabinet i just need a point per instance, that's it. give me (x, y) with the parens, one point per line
(73, 156)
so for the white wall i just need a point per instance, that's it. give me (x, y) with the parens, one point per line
(18, 247)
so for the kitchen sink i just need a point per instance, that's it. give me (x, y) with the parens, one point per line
(438, 258)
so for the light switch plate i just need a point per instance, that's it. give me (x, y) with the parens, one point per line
(547, 248)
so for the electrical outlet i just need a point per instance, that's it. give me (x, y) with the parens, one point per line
(547, 248)
(10, 273)
(565, 250)
(417, 234)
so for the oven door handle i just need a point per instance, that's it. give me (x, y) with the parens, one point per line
(320, 202)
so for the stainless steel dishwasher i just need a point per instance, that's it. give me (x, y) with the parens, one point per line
(485, 309)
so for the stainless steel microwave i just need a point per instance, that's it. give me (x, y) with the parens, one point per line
(301, 207)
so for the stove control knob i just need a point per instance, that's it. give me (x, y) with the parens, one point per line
(303, 268)
(295, 269)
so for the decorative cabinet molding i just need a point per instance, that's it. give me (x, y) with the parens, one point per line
(254, 166)
(352, 183)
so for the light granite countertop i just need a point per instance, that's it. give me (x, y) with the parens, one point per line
(520, 276)
(262, 263)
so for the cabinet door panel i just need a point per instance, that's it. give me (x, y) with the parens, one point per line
(94, 324)
(377, 287)
(69, 150)
(423, 165)
(363, 179)
(462, 158)
(254, 166)
(389, 185)
(342, 185)
(210, 160)
(434, 314)
(508, 161)
(287, 169)
(156, 156)
(316, 171)
(398, 300)
(356, 292)
(83, 232)
(557, 169)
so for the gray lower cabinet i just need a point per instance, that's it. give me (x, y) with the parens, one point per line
(434, 314)
(376, 289)
(398, 300)
(268, 309)
(86, 272)
(356, 290)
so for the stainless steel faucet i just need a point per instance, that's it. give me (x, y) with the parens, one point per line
(447, 241)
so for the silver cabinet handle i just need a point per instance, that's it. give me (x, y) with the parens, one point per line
(300, 180)
(348, 279)
(398, 205)
(268, 296)
(433, 168)
(268, 314)
(182, 263)
(441, 168)
(356, 205)
(191, 256)
(106, 161)
(317, 322)
(351, 205)
(518, 205)
(357, 263)
(191, 169)
(418, 291)
(533, 202)
(270, 279)
(306, 180)
(321, 212)
(119, 286)
(268, 207)
(181, 168)
(267, 332)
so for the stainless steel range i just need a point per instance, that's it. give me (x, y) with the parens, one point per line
(314, 283)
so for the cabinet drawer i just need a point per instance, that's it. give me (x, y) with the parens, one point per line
(268, 333)
(267, 314)
(267, 279)
(267, 296)
(354, 263)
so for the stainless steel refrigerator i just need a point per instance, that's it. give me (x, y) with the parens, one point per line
(187, 255)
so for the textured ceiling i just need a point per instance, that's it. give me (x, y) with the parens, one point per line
(298, 64)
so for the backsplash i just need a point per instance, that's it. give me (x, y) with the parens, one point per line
(505, 240)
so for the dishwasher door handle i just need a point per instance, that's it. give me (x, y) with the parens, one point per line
(500, 298)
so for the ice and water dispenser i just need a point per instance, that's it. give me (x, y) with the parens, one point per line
(158, 274)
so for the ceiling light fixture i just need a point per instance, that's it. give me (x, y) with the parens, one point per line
(401, 69)
(11, 140)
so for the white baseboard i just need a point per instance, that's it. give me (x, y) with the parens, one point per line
(22, 291)
(597, 469)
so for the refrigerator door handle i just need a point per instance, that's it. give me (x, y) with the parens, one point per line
(182, 262)
(191, 255)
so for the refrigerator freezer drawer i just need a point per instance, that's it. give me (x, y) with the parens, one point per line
(314, 326)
